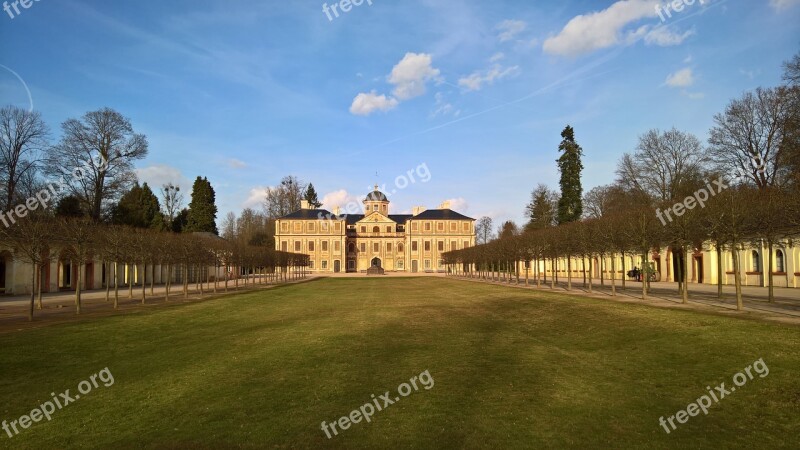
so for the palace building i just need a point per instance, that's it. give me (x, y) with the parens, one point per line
(410, 243)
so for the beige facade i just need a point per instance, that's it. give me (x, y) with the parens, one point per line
(355, 242)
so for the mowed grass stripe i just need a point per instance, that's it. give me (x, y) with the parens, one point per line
(512, 368)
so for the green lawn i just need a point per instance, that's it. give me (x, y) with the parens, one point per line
(512, 369)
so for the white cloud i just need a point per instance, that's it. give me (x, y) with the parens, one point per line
(458, 204)
(509, 29)
(350, 204)
(443, 107)
(366, 104)
(663, 37)
(475, 81)
(781, 5)
(696, 95)
(256, 197)
(234, 163)
(682, 78)
(409, 78)
(410, 75)
(160, 174)
(497, 57)
(601, 29)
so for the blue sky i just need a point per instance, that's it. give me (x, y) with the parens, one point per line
(245, 92)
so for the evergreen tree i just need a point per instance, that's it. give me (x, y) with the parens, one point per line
(570, 205)
(202, 215)
(139, 208)
(180, 221)
(69, 206)
(542, 211)
(311, 197)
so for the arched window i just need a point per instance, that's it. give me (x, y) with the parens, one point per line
(780, 261)
(376, 229)
(400, 247)
(756, 262)
(351, 247)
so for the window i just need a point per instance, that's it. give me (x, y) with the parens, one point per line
(400, 247)
(297, 246)
(441, 246)
(337, 246)
(414, 246)
(441, 264)
(363, 247)
(284, 246)
(756, 262)
(389, 229)
(374, 207)
(466, 244)
(284, 227)
(363, 229)
(399, 264)
(351, 247)
(351, 265)
(440, 226)
(298, 227)
(453, 246)
(466, 226)
(427, 246)
(780, 261)
(325, 226)
(389, 247)
(311, 264)
(414, 226)
(324, 246)
(311, 227)
(376, 247)
(338, 227)
(453, 226)
(324, 265)
(376, 229)
(311, 246)
(427, 264)
(427, 226)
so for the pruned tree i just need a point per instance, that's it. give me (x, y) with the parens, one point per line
(31, 239)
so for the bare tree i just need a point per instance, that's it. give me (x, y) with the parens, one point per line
(285, 198)
(662, 163)
(172, 201)
(102, 148)
(483, 230)
(23, 135)
(31, 239)
(747, 137)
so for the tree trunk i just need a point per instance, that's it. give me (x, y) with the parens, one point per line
(130, 280)
(116, 285)
(624, 274)
(144, 283)
(33, 293)
(569, 273)
(771, 264)
(40, 269)
(590, 274)
(613, 275)
(685, 294)
(737, 276)
(107, 266)
(78, 289)
(719, 270)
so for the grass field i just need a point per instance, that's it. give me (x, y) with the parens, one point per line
(511, 368)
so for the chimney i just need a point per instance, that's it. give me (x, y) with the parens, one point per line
(445, 205)
(418, 210)
(304, 204)
(337, 211)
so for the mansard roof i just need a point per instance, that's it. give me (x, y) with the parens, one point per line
(441, 214)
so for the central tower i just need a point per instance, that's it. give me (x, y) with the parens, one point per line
(376, 201)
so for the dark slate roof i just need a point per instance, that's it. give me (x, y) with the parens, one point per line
(441, 214)
(310, 214)
(400, 218)
(376, 196)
